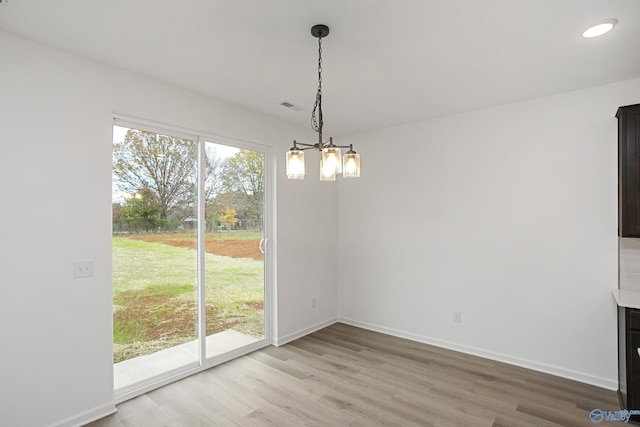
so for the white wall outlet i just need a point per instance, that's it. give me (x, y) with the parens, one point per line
(457, 316)
(82, 269)
(313, 303)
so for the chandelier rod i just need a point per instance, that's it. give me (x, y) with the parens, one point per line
(317, 122)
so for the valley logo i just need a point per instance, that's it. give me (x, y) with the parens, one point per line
(598, 415)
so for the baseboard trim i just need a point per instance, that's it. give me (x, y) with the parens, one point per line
(523, 363)
(88, 416)
(302, 332)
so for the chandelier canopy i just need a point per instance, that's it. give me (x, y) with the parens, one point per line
(332, 162)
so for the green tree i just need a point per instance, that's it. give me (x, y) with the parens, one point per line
(243, 180)
(142, 211)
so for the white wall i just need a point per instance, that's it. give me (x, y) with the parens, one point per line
(56, 114)
(507, 215)
(307, 266)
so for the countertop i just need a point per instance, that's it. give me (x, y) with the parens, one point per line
(628, 299)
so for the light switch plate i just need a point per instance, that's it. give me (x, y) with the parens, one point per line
(82, 269)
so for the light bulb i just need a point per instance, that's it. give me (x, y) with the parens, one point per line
(295, 164)
(351, 166)
(331, 157)
(327, 171)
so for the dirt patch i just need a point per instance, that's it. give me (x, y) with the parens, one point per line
(153, 323)
(255, 305)
(158, 318)
(230, 248)
(154, 318)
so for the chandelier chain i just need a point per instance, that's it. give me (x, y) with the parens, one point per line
(316, 121)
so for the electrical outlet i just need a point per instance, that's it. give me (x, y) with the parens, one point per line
(82, 269)
(457, 316)
(313, 303)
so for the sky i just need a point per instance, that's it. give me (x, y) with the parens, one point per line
(119, 132)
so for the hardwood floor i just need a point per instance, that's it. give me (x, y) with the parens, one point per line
(344, 375)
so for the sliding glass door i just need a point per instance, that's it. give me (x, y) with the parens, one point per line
(234, 243)
(188, 252)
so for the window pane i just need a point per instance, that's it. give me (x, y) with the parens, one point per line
(154, 254)
(234, 263)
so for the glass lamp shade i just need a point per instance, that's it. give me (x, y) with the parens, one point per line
(331, 159)
(295, 164)
(351, 165)
(327, 173)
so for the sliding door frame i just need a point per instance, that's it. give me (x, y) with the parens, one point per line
(134, 390)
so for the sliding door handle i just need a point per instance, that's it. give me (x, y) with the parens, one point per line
(263, 245)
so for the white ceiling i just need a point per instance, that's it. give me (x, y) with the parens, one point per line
(384, 63)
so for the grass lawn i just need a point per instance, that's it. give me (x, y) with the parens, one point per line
(154, 295)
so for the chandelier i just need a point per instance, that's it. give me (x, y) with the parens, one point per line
(331, 161)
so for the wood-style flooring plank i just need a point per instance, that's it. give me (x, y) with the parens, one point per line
(347, 376)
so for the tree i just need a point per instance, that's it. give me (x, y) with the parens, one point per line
(142, 211)
(243, 180)
(162, 164)
(228, 217)
(116, 220)
(212, 173)
(212, 185)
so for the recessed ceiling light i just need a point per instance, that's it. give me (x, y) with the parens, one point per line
(600, 28)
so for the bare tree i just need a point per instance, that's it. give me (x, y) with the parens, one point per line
(212, 173)
(164, 164)
(243, 177)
